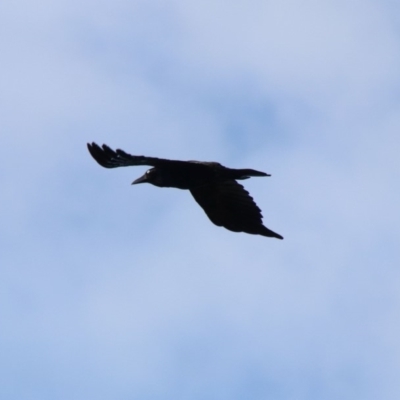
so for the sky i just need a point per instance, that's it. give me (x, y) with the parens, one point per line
(113, 291)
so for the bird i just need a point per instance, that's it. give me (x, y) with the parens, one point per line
(214, 187)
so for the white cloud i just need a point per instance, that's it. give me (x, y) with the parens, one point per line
(109, 288)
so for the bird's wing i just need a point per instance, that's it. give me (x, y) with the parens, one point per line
(109, 158)
(228, 204)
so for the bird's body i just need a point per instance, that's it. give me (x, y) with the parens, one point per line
(184, 175)
(212, 185)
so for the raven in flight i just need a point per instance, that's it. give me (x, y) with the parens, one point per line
(212, 185)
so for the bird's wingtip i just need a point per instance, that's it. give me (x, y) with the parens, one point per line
(268, 233)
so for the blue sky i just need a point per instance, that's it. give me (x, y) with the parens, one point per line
(109, 291)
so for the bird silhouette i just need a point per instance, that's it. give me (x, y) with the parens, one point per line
(212, 185)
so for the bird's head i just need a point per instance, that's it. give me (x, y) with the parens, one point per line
(151, 176)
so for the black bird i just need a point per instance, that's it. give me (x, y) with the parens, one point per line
(212, 185)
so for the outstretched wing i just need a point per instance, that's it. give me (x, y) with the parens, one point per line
(109, 158)
(228, 204)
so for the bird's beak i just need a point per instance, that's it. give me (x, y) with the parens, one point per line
(142, 179)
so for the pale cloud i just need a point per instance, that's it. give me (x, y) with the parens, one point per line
(112, 290)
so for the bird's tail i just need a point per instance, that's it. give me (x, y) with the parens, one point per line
(246, 173)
